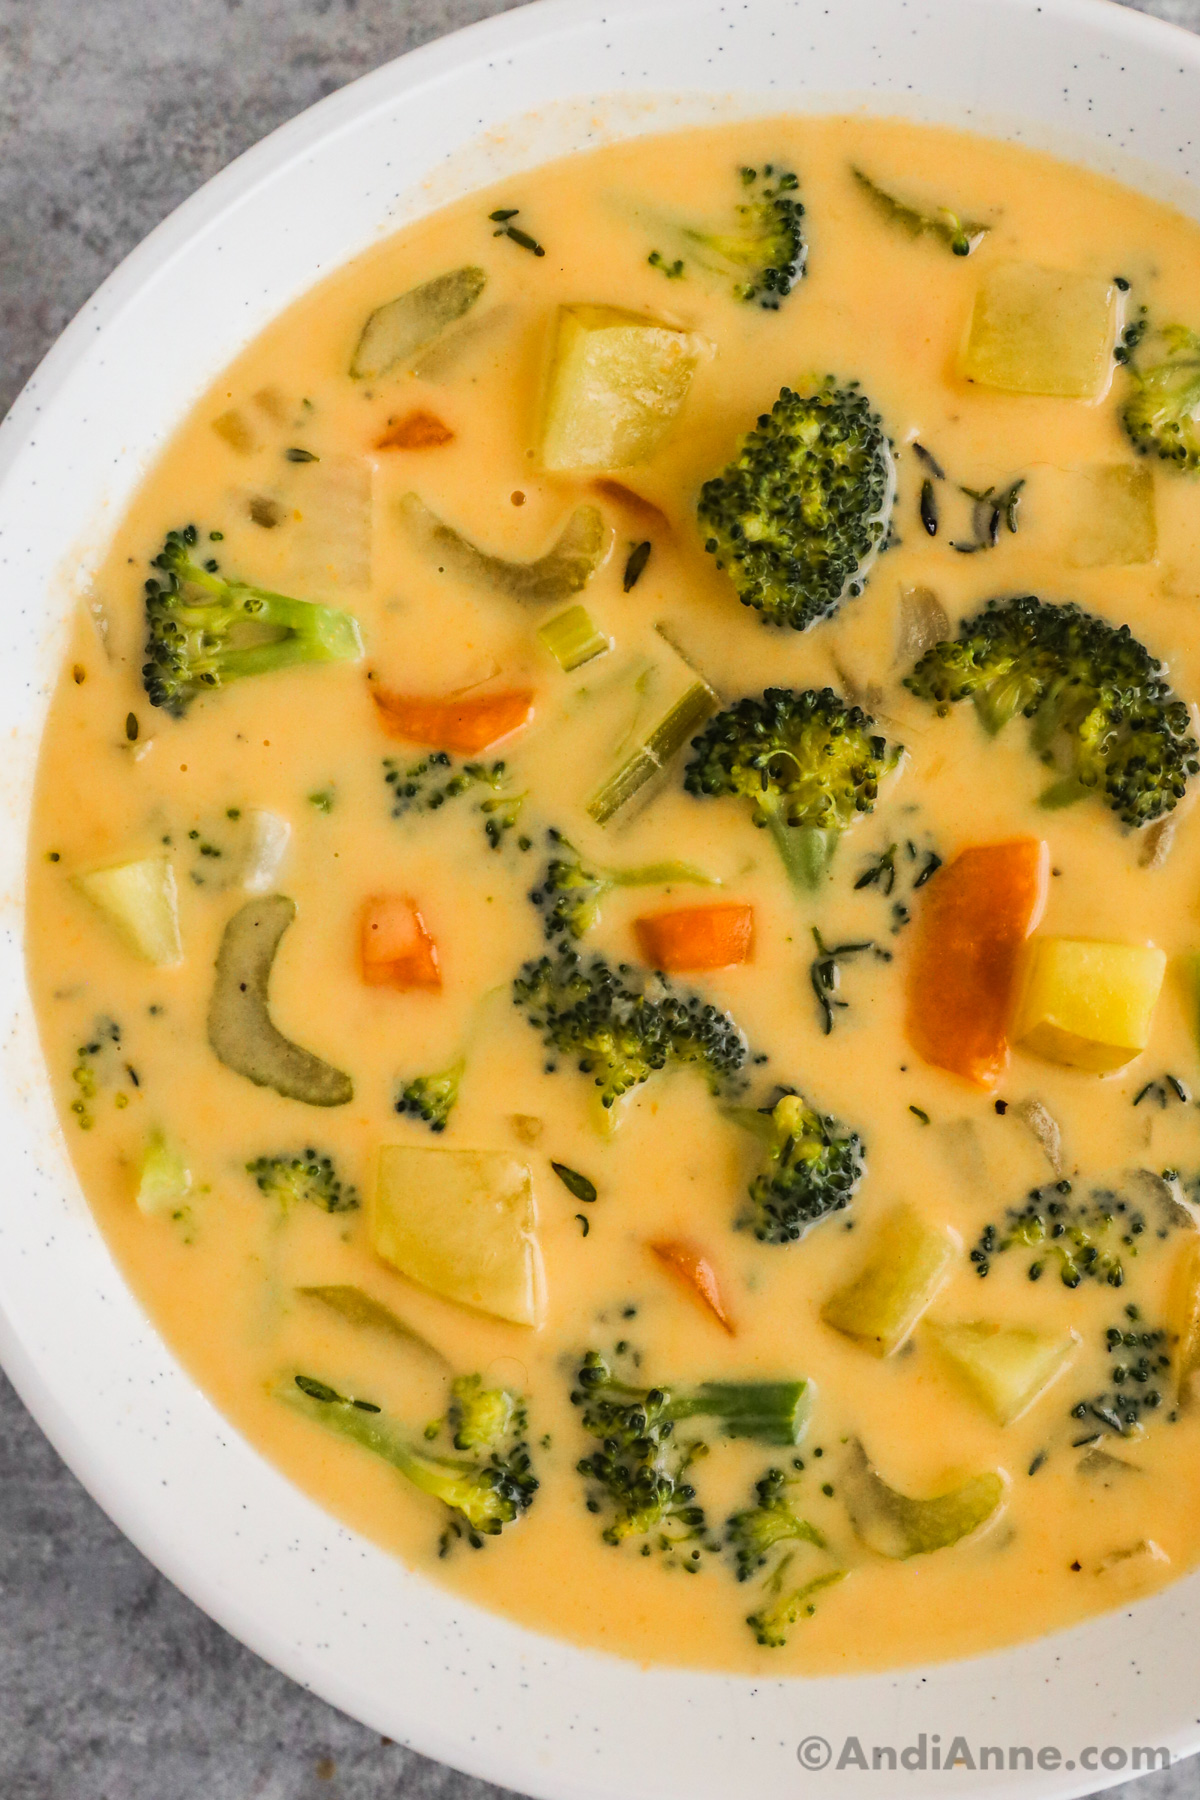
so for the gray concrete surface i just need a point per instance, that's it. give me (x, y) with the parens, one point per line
(112, 1685)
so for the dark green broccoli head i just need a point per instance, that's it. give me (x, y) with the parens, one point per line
(765, 251)
(798, 516)
(620, 1027)
(432, 1097)
(306, 1177)
(785, 1606)
(812, 1168)
(1100, 710)
(752, 1535)
(204, 630)
(1162, 413)
(807, 762)
(425, 786)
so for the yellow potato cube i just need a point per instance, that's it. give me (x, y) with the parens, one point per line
(1114, 521)
(1005, 1367)
(1087, 1004)
(1041, 331)
(617, 380)
(140, 902)
(461, 1223)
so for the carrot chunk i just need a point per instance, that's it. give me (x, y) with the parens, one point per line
(977, 913)
(397, 950)
(466, 723)
(696, 937)
(416, 431)
(693, 1268)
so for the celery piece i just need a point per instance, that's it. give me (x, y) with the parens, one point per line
(401, 328)
(140, 901)
(905, 1265)
(1005, 1367)
(573, 638)
(1183, 1312)
(617, 381)
(566, 567)
(357, 1307)
(893, 1525)
(165, 1180)
(461, 1223)
(652, 756)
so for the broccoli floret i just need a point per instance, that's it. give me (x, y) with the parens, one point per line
(432, 1097)
(785, 1606)
(1162, 414)
(1101, 713)
(482, 1418)
(426, 786)
(571, 890)
(620, 1026)
(290, 1179)
(638, 1475)
(753, 1534)
(204, 629)
(765, 252)
(808, 763)
(799, 515)
(960, 235)
(483, 1494)
(812, 1168)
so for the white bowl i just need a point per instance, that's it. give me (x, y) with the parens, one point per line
(1089, 80)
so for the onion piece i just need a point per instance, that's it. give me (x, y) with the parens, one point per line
(565, 569)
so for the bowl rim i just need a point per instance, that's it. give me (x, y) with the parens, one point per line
(553, 26)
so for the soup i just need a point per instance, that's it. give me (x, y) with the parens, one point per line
(612, 905)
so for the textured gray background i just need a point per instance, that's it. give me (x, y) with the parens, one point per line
(112, 1685)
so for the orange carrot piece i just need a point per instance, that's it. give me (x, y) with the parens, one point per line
(467, 723)
(416, 431)
(397, 950)
(691, 1265)
(696, 937)
(977, 913)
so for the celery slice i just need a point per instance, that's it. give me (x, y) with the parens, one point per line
(140, 900)
(906, 1263)
(573, 638)
(652, 756)
(403, 327)
(566, 567)
(892, 1524)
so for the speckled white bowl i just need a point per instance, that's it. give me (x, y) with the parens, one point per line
(1093, 81)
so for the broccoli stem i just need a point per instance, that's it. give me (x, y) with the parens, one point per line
(807, 850)
(770, 1412)
(296, 631)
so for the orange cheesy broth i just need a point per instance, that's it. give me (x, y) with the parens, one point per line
(221, 1285)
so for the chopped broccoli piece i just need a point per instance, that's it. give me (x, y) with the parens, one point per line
(1101, 712)
(204, 629)
(482, 1418)
(426, 786)
(483, 1494)
(638, 1473)
(800, 514)
(960, 236)
(753, 1534)
(765, 252)
(571, 890)
(1162, 414)
(808, 763)
(786, 1606)
(432, 1097)
(620, 1026)
(309, 1177)
(812, 1168)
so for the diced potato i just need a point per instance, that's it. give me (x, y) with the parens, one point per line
(1134, 1567)
(1089, 1004)
(895, 1525)
(1041, 331)
(1006, 1367)
(1114, 520)
(165, 1180)
(461, 1223)
(140, 900)
(1183, 1311)
(617, 380)
(905, 1265)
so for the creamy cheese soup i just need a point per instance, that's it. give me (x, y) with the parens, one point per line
(674, 1116)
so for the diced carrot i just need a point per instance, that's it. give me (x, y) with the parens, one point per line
(397, 950)
(467, 723)
(696, 937)
(691, 1265)
(977, 913)
(416, 431)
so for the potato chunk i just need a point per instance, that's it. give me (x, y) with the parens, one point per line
(1005, 1367)
(906, 1262)
(461, 1223)
(1041, 331)
(1087, 1004)
(139, 899)
(617, 380)
(1114, 521)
